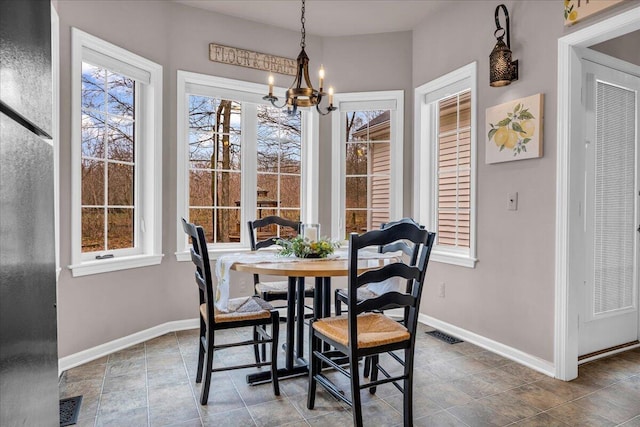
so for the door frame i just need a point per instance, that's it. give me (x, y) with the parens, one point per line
(566, 292)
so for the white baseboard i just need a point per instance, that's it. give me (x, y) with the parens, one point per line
(101, 350)
(511, 353)
(105, 349)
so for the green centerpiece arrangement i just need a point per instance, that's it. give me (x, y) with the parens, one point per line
(306, 248)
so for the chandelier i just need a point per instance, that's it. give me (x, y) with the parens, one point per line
(299, 95)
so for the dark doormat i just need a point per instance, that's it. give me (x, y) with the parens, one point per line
(444, 337)
(69, 410)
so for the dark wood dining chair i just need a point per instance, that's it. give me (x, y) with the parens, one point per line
(340, 295)
(277, 290)
(249, 311)
(365, 331)
(264, 233)
(406, 250)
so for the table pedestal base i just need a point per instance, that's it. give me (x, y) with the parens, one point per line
(265, 377)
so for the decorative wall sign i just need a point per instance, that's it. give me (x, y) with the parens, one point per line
(514, 130)
(251, 59)
(577, 10)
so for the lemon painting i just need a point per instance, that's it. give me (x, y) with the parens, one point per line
(577, 10)
(514, 130)
(570, 13)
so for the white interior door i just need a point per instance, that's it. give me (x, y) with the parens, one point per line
(609, 313)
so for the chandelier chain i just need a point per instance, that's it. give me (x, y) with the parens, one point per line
(302, 42)
(301, 94)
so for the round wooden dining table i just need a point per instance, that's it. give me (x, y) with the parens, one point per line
(296, 272)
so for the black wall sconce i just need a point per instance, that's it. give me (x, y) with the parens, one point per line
(502, 71)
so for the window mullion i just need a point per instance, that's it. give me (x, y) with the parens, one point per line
(105, 171)
(249, 166)
(138, 239)
(105, 165)
(458, 169)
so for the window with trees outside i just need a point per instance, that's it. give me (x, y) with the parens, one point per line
(116, 157)
(445, 164)
(240, 159)
(108, 160)
(367, 136)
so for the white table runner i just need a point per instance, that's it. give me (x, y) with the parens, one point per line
(224, 263)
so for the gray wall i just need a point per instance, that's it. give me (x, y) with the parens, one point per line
(509, 296)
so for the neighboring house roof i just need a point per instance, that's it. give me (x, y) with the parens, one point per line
(384, 117)
(378, 127)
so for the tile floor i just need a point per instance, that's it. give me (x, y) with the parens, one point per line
(152, 384)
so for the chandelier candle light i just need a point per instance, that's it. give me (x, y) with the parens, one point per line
(297, 95)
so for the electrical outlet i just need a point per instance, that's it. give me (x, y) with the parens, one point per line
(442, 289)
(512, 201)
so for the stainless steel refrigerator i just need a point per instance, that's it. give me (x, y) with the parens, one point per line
(28, 332)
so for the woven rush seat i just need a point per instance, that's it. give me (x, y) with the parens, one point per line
(279, 287)
(241, 309)
(374, 329)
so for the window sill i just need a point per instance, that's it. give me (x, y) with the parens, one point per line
(213, 253)
(454, 259)
(114, 264)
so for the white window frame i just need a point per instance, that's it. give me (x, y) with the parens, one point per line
(148, 190)
(55, 128)
(392, 100)
(249, 94)
(425, 158)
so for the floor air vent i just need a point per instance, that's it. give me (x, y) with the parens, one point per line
(444, 337)
(69, 409)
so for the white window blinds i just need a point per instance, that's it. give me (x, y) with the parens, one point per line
(614, 194)
(454, 170)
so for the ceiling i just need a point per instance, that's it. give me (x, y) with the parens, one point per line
(327, 17)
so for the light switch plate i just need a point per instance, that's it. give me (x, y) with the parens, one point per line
(512, 201)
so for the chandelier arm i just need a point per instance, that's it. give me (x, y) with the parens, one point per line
(330, 108)
(273, 100)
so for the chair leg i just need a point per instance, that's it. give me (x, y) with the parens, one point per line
(373, 365)
(264, 345)
(367, 366)
(275, 331)
(356, 402)
(408, 388)
(313, 365)
(337, 304)
(204, 394)
(256, 347)
(201, 351)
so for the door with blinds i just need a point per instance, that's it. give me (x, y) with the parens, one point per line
(609, 313)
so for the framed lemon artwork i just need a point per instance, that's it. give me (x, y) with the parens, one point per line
(514, 130)
(577, 10)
